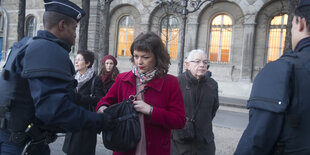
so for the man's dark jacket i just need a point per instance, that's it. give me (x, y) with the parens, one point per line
(204, 91)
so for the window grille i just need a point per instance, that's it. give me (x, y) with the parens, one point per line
(125, 35)
(277, 34)
(170, 34)
(220, 38)
(31, 25)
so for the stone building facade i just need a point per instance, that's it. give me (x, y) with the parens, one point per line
(238, 35)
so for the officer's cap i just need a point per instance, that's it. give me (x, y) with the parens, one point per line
(64, 7)
(303, 3)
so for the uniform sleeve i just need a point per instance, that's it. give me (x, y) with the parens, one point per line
(54, 106)
(261, 134)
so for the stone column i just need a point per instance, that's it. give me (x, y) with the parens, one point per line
(248, 48)
(144, 25)
(191, 38)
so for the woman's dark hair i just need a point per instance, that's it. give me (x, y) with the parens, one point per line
(303, 12)
(151, 42)
(88, 57)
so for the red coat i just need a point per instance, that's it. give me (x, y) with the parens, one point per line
(168, 113)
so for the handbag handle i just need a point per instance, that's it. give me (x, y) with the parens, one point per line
(133, 97)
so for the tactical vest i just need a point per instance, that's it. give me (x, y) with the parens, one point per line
(294, 138)
(282, 87)
(14, 89)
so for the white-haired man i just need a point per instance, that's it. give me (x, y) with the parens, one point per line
(200, 94)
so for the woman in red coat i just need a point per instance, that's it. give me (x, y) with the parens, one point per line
(161, 106)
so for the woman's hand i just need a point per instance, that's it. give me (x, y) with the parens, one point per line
(101, 109)
(142, 107)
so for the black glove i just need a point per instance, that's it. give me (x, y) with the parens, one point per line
(107, 121)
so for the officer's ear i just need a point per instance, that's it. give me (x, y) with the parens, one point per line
(61, 25)
(302, 26)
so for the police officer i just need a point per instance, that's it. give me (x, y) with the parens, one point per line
(43, 102)
(279, 102)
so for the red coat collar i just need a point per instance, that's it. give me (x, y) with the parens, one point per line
(156, 83)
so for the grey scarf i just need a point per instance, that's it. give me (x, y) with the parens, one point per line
(82, 79)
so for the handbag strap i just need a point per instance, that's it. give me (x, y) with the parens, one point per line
(196, 109)
(92, 86)
(133, 97)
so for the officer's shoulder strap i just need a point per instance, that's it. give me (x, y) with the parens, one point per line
(272, 87)
(15, 49)
(52, 62)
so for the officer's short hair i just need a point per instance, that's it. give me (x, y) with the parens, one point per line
(303, 11)
(88, 56)
(51, 19)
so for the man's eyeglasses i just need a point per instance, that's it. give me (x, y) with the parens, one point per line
(199, 61)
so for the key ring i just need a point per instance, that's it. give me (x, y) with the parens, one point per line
(132, 97)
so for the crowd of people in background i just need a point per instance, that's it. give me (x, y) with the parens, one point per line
(161, 106)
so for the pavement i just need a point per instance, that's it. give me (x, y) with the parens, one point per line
(232, 102)
(226, 141)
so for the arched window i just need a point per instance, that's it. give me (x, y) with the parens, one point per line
(170, 34)
(277, 34)
(31, 24)
(220, 38)
(125, 35)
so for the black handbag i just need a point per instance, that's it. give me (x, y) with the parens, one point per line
(188, 133)
(126, 133)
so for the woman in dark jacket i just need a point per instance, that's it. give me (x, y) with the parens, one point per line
(108, 72)
(90, 90)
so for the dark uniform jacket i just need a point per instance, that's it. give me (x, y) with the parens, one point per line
(279, 107)
(49, 71)
(204, 91)
(84, 142)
